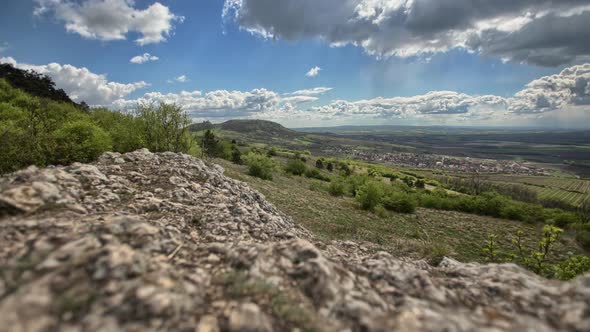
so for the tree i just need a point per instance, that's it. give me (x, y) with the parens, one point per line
(165, 127)
(210, 144)
(236, 155)
(330, 167)
(319, 164)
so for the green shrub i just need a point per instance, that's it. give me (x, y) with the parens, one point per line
(295, 167)
(315, 174)
(164, 127)
(81, 141)
(563, 219)
(259, 165)
(369, 195)
(399, 202)
(572, 267)
(124, 129)
(336, 189)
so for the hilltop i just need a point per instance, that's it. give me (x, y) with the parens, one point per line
(145, 241)
(252, 127)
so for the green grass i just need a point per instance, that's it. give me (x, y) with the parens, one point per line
(418, 235)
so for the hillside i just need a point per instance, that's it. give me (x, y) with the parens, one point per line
(173, 244)
(33, 83)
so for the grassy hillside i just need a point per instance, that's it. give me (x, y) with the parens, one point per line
(428, 234)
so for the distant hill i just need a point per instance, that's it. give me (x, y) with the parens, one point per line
(35, 84)
(249, 127)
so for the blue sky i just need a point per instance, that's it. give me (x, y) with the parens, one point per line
(235, 53)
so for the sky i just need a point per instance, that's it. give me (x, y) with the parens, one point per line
(306, 63)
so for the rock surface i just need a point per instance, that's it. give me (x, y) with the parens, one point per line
(153, 242)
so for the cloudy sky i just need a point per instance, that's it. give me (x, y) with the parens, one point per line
(316, 62)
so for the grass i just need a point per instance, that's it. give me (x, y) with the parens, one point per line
(418, 235)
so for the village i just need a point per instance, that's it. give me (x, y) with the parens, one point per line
(432, 161)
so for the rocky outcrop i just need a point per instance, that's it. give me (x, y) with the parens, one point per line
(152, 242)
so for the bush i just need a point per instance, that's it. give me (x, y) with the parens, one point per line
(315, 174)
(81, 141)
(399, 202)
(259, 165)
(336, 189)
(369, 195)
(295, 167)
(572, 267)
(124, 129)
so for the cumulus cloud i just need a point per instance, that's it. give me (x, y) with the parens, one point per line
(311, 92)
(313, 72)
(214, 104)
(571, 87)
(111, 19)
(146, 57)
(541, 32)
(551, 98)
(81, 84)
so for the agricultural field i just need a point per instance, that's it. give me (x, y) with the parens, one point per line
(567, 189)
(572, 191)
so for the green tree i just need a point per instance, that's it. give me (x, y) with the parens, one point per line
(236, 155)
(165, 127)
(210, 147)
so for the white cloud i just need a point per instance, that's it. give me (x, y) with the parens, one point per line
(570, 87)
(139, 59)
(542, 32)
(311, 92)
(81, 84)
(313, 72)
(111, 19)
(214, 104)
(179, 79)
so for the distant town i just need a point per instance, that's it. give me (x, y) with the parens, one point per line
(432, 161)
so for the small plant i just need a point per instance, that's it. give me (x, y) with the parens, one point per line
(538, 258)
(490, 250)
(572, 267)
(330, 167)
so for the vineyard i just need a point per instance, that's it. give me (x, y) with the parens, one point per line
(569, 190)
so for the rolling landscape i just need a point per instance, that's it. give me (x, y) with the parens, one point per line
(294, 166)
